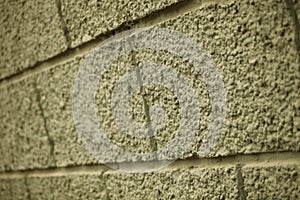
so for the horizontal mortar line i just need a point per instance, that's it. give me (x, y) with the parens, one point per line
(246, 160)
(59, 171)
(176, 10)
(154, 18)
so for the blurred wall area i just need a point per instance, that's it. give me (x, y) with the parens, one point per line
(214, 85)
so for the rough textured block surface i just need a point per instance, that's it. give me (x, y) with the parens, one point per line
(87, 19)
(174, 184)
(254, 52)
(252, 43)
(67, 187)
(13, 188)
(24, 143)
(30, 32)
(274, 182)
(255, 46)
(55, 87)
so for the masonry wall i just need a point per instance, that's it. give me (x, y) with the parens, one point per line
(255, 46)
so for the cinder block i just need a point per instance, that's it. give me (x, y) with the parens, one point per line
(13, 188)
(24, 143)
(67, 187)
(56, 91)
(30, 32)
(253, 50)
(87, 19)
(185, 183)
(55, 87)
(272, 182)
(5, 189)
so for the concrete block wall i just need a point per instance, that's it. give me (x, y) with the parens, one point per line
(255, 46)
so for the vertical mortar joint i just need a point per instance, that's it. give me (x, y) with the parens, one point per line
(145, 104)
(107, 191)
(63, 23)
(240, 183)
(146, 110)
(50, 139)
(27, 188)
(293, 13)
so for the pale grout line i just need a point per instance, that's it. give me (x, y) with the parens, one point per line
(59, 171)
(250, 160)
(247, 160)
(178, 9)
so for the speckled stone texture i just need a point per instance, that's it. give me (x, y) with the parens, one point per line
(252, 44)
(67, 187)
(87, 19)
(31, 32)
(55, 86)
(13, 188)
(255, 52)
(174, 184)
(24, 143)
(272, 182)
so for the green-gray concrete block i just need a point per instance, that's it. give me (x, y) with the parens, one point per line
(254, 52)
(272, 182)
(30, 32)
(55, 88)
(13, 188)
(24, 143)
(67, 187)
(87, 19)
(252, 43)
(186, 183)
